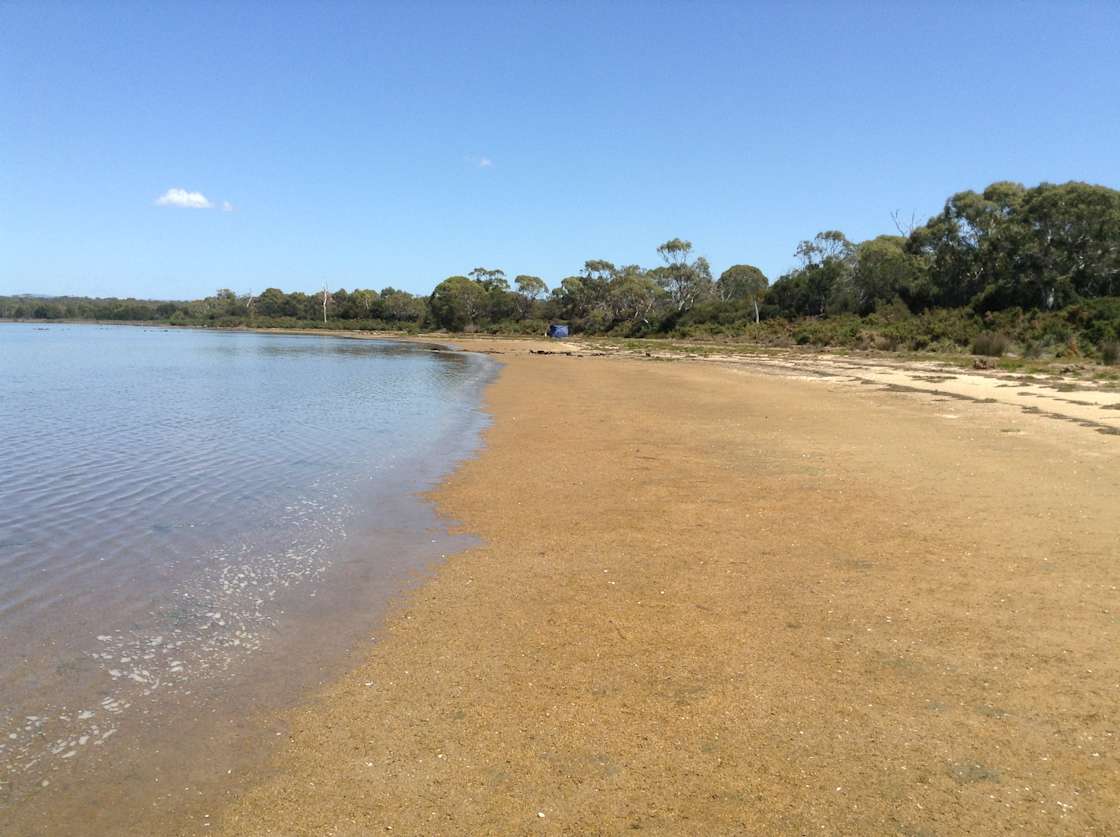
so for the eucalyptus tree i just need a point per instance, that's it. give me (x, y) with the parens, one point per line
(529, 290)
(882, 271)
(969, 247)
(633, 296)
(401, 306)
(742, 281)
(599, 270)
(362, 302)
(572, 298)
(830, 245)
(1040, 247)
(491, 280)
(595, 286)
(1068, 244)
(686, 282)
(811, 289)
(273, 302)
(457, 302)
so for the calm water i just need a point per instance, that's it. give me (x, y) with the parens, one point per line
(176, 506)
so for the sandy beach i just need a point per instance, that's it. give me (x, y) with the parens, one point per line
(717, 598)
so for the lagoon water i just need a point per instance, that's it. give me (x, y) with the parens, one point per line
(195, 526)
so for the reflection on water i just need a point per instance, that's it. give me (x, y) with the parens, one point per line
(163, 491)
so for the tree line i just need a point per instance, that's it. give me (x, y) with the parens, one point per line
(995, 257)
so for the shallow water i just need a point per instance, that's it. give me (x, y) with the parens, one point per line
(195, 526)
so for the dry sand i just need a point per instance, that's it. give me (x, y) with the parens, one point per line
(710, 600)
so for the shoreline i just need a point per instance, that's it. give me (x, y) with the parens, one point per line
(542, 681)
(1094, 404)
(1078, 371)
(178, 747)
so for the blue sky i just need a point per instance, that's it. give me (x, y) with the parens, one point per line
(366, 145)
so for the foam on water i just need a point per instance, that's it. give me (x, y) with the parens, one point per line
(200, 630)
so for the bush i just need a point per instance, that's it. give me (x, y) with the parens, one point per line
(990, 344)
(1110, 353)
(887, 342)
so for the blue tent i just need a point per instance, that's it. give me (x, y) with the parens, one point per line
(557, 331)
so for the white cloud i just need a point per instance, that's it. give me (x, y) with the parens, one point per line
(485, 163)
(183, 198)
(227, 206)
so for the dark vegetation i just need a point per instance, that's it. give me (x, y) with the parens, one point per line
(1034, 271)
(990, 343)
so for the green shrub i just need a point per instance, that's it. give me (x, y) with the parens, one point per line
(990, 344)
(1110, 353)
(887, 342)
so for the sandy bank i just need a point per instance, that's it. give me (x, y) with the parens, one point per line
(710, 600)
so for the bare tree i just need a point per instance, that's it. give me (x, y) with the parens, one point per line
(904, 227)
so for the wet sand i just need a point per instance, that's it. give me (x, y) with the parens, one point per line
(713, 599)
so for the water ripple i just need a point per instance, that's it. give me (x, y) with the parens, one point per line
(162, 490)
